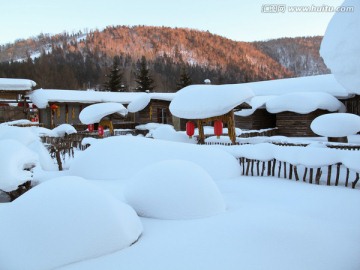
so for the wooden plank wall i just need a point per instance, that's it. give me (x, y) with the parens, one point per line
(353, 105)
(260, 119)
(292, 124)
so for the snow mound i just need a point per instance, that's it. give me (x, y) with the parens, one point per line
(336, 124)
(303, 103)
(16, 84)
(168, 133)
(340, 47)
(174, 189)
(14, 158)
(139, 103)
(71, 220)
(94, 113)
(203, 101)
(63, 129)
(20, 134)
(120, 157)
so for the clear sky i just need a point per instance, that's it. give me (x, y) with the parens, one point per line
(241, 20)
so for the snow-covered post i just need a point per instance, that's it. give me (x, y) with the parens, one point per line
(336, 126)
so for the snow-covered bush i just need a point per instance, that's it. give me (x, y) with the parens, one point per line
(174, 189)
(15, 162)
(120, 157)
(62, 221)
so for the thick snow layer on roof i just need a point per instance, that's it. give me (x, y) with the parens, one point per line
(67, 220)
(304, 103)
(336, 124)
(340, 47)
(139, 103)
(203, 101)
(42, 97)
(94, 113)
(16, 84)
(319, 83)
(118, 158)
(14, 158)
(255, 103)
(174, 189)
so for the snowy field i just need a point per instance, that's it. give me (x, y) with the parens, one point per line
(195, 212)
(268, 224)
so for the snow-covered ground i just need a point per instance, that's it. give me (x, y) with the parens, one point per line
(196, 212)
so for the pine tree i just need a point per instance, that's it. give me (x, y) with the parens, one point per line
(143, 77)
(185, 79)
(114, 82)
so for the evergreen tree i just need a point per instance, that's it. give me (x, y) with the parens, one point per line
(143, 77)
(185, 79)
(114, 81)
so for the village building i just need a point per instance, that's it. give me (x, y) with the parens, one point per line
(64, 106)
(290, 105)
(13, 102)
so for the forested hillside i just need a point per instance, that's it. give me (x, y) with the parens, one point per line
(82, 60)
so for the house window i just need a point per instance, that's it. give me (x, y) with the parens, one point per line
(162, 115)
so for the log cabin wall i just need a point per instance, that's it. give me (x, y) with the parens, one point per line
(352, 105)
(156, 112)
(260, 119)
(292, 124)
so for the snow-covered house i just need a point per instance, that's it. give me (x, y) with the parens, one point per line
(13, 104)
(207, 104)
(292, 104)
(64, 106)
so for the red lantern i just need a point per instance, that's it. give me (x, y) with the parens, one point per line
(218, 128)
(100, 131)
(54, 107)
(190, 129)
(91, 127)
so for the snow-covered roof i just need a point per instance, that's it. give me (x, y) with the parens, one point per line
(304, 103)
(203, 101)
(340, 47)
(319, 83)
(94, 113)
(42, 97)
(16, 84)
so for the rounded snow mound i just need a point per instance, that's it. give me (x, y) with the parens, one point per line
(341, 45)
(174, 189)
(120, 157)
(71, 220)
(336, 124)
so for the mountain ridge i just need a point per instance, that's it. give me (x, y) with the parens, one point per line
(167, 49)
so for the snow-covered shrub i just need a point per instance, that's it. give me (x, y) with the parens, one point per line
(120, 157)
(174, 189)
(62, 221)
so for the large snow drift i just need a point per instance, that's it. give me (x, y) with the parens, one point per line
(120, 157)
(340, 47)
(14, 158)
(203, 101)
(304, 103)
(62, 221)
(94, 113)
(174, 189)
(336, 124)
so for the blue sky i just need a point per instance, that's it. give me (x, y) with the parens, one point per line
(241, 20)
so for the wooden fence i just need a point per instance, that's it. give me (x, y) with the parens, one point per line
(281, 169)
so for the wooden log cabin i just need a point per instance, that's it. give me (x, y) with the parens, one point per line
(14, 104)
(64, 106)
